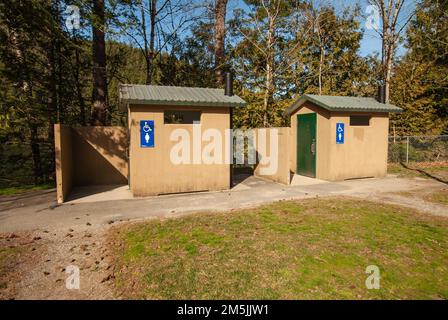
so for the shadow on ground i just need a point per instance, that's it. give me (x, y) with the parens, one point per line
(26, 199)
(425, 173)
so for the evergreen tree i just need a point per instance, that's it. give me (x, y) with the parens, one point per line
(420, 85)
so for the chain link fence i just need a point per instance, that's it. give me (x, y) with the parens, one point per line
(17, 165)
(418, 149)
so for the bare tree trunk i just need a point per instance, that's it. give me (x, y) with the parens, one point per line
(59, 95)
(388, 71)
(51, 103)
(386, 64)
(82, 105)
(269, 71)
(152, 37)
(317, 25)
(267, 94)
(27, 91)
(99, 95)
(321, 61)
(389, 13)
(148, 45)
(35, 153)
(220, 31)
(52, 87)
(145, 41)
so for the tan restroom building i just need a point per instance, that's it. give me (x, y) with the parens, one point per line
(158, 117)
(170, 129)
(337, 138)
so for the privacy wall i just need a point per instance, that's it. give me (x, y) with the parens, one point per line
(273, 154)
(89, 156)
(64, 162)
(99, 154)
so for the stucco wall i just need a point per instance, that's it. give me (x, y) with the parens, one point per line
(64, 161)
(89, 156)
(151, 170)
(99, 154)
(363, 154)
(279, 171)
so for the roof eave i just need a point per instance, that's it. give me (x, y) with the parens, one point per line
(296, 105)
(184, 103)
(364, 110)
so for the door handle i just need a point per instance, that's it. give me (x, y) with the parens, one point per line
(313, 147)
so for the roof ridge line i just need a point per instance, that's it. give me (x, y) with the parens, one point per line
(167, 86)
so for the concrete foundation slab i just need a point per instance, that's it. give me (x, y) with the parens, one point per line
(305, 181)
(99, 193)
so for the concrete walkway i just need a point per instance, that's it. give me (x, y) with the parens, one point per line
(252, 191)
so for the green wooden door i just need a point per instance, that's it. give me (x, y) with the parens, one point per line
(306, 145)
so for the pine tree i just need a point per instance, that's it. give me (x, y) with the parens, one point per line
(420, 84)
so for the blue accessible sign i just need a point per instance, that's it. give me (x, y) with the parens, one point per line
(147, 133)
(340, 133)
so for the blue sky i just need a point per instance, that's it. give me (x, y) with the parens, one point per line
(371, 42)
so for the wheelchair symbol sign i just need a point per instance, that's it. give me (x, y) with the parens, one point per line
(147, 133)
(340, 133)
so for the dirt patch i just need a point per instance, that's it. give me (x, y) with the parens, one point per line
(16, 250)
(40, 264)
(428, 200)
(434, 195)
(440, 197)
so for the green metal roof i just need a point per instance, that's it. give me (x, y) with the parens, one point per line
(338, 103)
(177, 96)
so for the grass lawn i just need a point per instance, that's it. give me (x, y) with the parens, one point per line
(313, 249)
(7, 191)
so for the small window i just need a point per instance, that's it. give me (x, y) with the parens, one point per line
(181, 117)
(359, 120)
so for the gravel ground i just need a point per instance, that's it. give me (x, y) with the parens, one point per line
(43, 260)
